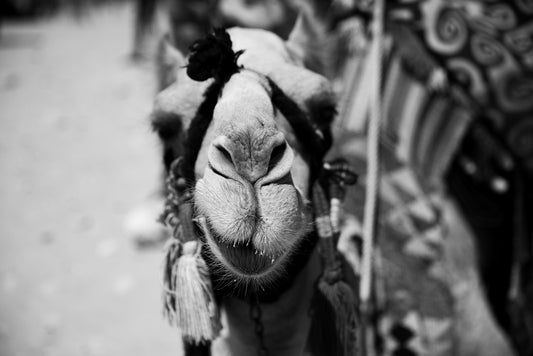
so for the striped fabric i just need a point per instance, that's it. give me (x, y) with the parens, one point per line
(421, 130)
(448, 61)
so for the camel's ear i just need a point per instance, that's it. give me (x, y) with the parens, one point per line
(169, 61)
(308, 40)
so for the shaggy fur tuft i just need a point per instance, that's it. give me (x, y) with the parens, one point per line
(213, 57)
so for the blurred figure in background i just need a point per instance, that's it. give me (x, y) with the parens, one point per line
(187, 21)
(35, 8)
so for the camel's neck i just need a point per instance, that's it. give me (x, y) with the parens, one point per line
(286, 321)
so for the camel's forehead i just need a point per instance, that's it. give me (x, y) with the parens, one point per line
(245, 96)
(264, 53)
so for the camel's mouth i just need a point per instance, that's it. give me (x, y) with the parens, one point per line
(243, 259)
(251, 232)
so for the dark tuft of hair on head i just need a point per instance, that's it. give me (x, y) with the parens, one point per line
(213, 57)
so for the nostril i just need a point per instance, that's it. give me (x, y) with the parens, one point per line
(281, 160)
(250, 160)
(224, 153)
(220, 158)
(276, 155)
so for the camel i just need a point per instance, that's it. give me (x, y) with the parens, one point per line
(244, 127)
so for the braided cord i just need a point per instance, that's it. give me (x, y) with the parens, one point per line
(372, 180)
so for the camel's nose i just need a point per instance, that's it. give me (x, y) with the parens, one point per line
(252, 155)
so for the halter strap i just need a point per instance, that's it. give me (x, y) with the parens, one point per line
(197, 130)
(316, 141)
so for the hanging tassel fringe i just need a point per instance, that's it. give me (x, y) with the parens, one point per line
(195, 305)
(173, 253)
(323, 338)
(189, 300)
(334, 305)
(334, 302)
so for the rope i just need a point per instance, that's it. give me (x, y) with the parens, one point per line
(372, 180)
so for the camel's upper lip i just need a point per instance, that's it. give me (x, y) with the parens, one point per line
(244, 258)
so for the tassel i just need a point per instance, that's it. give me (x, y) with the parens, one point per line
(334, 325)
(323, 338)
(189, 300)
(195, 306)
(173, 249)
(334, 301)
(342, 300)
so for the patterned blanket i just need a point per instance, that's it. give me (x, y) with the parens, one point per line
(448, 63)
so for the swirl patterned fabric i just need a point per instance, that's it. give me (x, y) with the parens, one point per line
(486, 47)
(484, 51)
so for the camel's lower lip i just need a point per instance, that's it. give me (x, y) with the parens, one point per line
(245, 258)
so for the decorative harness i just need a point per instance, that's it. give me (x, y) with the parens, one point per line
(189, 286)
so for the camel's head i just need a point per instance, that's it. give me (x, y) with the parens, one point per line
(257, 157)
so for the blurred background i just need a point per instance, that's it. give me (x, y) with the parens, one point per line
(76, 154)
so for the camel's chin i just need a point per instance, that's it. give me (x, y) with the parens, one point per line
(244, 262)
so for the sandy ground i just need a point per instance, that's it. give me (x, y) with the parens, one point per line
(76, 155)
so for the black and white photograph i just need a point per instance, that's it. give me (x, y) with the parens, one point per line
(266, 177)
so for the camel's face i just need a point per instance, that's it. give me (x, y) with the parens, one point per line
(251, 196)
(253, 176)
